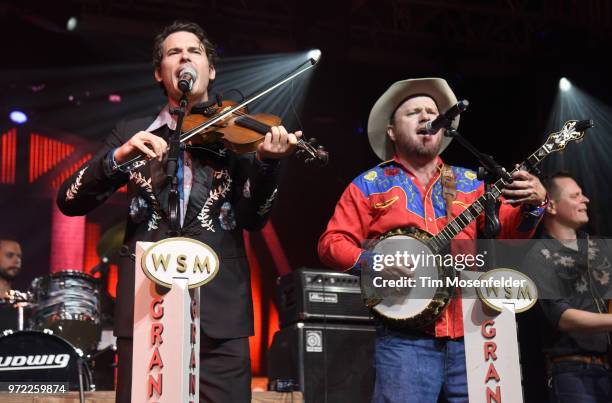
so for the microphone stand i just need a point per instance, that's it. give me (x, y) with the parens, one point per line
(492, 225)
(489, 172)
(106, 301)
(488, 163)
(172, 164)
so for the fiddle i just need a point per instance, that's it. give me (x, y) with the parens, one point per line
(241, 132)
(234, 116)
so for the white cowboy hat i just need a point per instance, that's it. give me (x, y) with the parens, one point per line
(380, 115)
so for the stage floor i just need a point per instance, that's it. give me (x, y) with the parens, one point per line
(259, 385)
(109, 397)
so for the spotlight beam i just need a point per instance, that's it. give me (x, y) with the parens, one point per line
(565, 84)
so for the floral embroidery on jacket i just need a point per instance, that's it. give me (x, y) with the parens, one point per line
(145, 184)
(153, 221)
(138, 209)
(265, 208)
(215, 195)
(74, 188)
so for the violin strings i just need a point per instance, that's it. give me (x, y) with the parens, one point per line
(300, 141)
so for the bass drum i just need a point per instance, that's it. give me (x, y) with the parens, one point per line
(31, 356)
(68, 303)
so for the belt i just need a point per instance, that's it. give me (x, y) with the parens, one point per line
(586, 359)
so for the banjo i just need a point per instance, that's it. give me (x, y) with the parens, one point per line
(415, 306)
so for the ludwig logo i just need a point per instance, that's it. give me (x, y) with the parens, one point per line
(38, 361)
(180, 258)
(507, 286)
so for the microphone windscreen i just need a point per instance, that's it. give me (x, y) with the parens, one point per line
(188, 69)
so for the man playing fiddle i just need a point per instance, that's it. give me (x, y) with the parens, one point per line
(221, 193)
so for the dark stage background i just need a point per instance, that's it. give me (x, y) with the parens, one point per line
(505, 57)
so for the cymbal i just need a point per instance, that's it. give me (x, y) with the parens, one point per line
(111, 241)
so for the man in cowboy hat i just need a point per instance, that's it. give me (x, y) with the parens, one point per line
(414, 188)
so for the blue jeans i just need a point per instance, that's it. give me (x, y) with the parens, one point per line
(577, 382)
(418, 368)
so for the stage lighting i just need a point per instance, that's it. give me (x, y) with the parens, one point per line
(314, 54)
(71, 24)
(59, 21)
(18, 117)
(564, 84)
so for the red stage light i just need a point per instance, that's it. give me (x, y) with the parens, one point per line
(9, 157)
(45, 154)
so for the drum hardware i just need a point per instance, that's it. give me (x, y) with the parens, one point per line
(65, 307)
(15, 310)
(95, 369)
(81, 386)
(103, 364)
(415, 307)
(126, 252)
(14, 296)
(20, 314)
(68, 303)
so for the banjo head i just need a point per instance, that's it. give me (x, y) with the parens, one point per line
(422, 293)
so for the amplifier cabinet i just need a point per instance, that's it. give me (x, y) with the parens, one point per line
(319, 295)
(328, 363)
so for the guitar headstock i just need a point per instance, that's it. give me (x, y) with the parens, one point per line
(573, 130)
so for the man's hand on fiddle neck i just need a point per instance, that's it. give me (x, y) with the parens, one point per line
(278, 143)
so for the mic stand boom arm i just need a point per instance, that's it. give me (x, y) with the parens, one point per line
(494, 169)
(493, 172)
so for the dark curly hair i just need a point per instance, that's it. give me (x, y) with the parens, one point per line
(180, 26)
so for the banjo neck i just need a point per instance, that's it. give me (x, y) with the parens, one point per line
(440, 241)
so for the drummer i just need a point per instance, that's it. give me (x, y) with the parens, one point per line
(10, 264)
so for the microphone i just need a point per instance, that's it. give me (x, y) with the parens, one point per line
(187, 76)
(444, 120)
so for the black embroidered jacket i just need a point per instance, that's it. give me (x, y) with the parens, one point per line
(229, 193)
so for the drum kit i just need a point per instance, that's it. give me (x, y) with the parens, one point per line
(52, 332)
